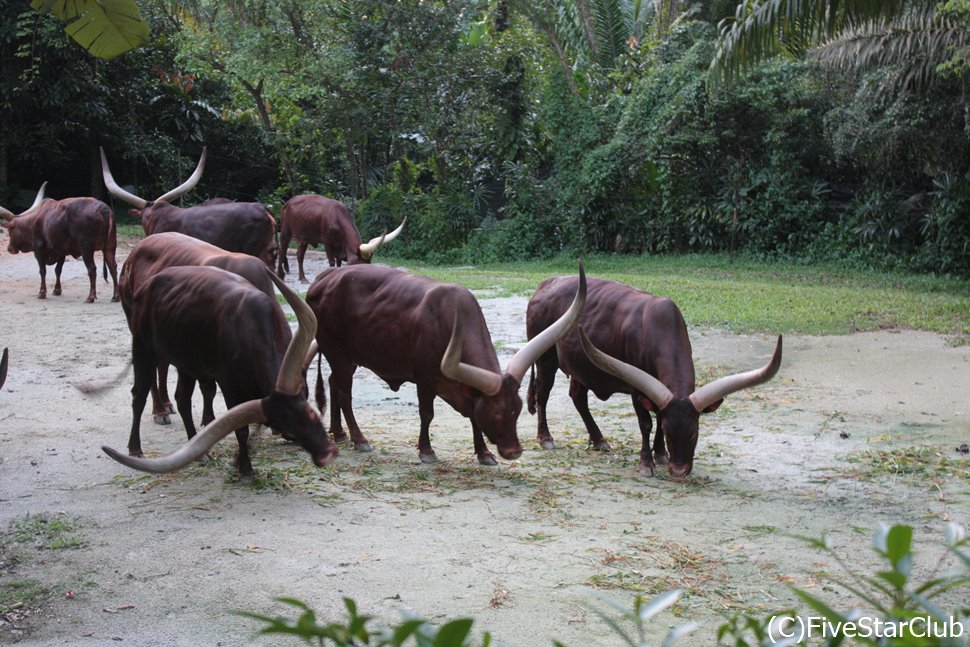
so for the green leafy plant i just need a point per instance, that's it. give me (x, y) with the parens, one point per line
(909, 612)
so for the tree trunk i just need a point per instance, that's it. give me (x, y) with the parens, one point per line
(257, 93)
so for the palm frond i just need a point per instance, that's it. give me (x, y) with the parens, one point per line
(758, 28)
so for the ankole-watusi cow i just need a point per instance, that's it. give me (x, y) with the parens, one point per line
(246, 227)
(645, 353)
(56, 229)
(408, 328)
(158, 252)
(216, 327)
(314, 220)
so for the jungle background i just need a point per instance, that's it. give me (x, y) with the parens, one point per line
(516, 129)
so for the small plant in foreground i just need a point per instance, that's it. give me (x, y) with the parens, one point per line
(899, 613)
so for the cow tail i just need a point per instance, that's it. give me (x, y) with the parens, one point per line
(319, 393)
(531, 394)
(110, 243)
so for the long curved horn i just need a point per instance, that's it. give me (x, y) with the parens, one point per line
(530, 353)
(189, 184)
(452, 367)
(368, 249)
(117, 191)
(290, 379)
(310, 354)
(647, 384)
(721, 388)
(240, 415)
(39, 198)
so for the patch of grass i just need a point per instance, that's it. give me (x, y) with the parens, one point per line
(922, 464)
(749, 295)
(49, 533)
(21, 595)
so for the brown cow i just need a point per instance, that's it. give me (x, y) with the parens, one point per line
(56, 229)
(246, 227)
(314, 220)
(647, 334)
(215, 326)
(408, 328)
(171, 249)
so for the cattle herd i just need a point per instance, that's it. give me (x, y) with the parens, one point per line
(198, 294)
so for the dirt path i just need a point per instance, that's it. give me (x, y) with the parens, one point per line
(168, 559)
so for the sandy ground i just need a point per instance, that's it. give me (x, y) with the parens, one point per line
(169, 559)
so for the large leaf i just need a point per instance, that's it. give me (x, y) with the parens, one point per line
(106, 28)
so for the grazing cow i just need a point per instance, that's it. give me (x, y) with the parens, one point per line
(246, 227)
(647, 335)
(56, 229)
(171, 249)
(314, 220)
(215, 326)
(3, 367)
(408, 328)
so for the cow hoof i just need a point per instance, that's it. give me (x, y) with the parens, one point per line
(341, 439)
(661, 459)
(137, 454)
(115, 299)
(428, 458)
(246, 479)
(205, 459)
(602, 446)
(548, 443)
(89, 300)
(487, 459)
(56, 293)
(161, 419)
(363, 447)
(647, 470)
(170, 407)
(42, 295)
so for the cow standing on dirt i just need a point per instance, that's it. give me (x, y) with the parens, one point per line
(315, 220)
(646, 353)
(408, 328)
(172, 249)
(56, 229)
(216, 327)
(246, 227)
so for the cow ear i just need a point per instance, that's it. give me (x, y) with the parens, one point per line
(7, 224)
(647, 403)
(713, 406)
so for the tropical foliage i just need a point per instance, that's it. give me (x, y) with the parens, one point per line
(806, 129)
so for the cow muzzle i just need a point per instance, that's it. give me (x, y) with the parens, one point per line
(679, 470)
(326, 458)
(510, 453)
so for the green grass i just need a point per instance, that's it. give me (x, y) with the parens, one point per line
(748, 295)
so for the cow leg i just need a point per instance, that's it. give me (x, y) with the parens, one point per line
(112, 264)
(647, 463)
(208, 388)
(161, 404)
(283, 265)
(143, 365)
(92, 276)
(341, 396)
(426, 396)
(43, 278)
(580, 398)
(183, 399)
(540, 386)
(485, 457)
(57, 277)
(243, 463)
(300, 253)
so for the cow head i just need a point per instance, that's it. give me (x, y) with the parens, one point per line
(21, 232)
(285, 410)
(496, 396)
(679, 417)
(366, 251)
(142, 207)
